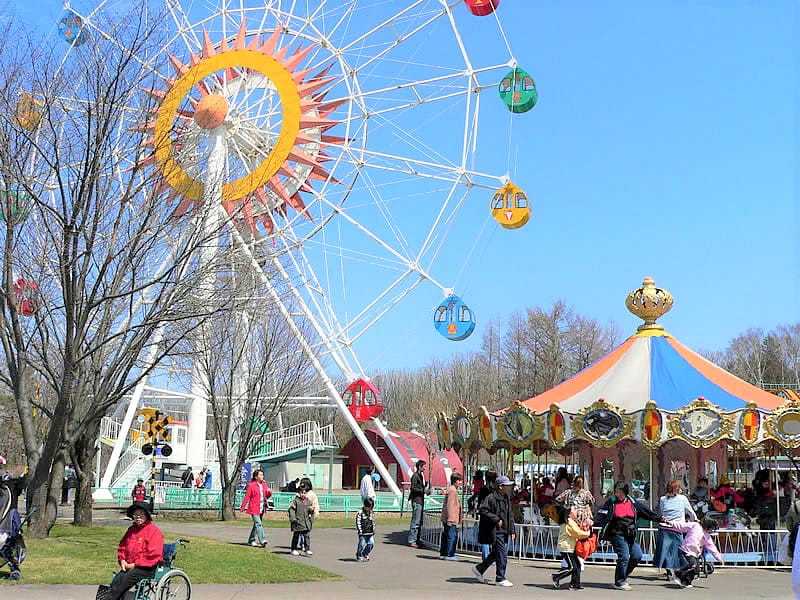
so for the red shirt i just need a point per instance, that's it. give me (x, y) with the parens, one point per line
(139, 493)
(624, 509)
(143, 546)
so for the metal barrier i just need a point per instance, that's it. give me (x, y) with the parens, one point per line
(739, 547)
(170, 496)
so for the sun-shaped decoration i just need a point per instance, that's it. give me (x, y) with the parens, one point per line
(271, 113)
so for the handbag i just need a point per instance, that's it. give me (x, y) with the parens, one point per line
(585, 548)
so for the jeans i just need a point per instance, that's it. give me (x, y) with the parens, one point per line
(365, 544)
(297, 539)
(573, 569)
(485, 550)
(688, 573)
(257, 532)
(498, 556)
(305, 540)
(628, 556)
(449, 538)
(416, 523)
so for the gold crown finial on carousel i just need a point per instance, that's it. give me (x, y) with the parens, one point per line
(649, 303)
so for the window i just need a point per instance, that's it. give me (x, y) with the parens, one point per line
(440, 315)
(180, 435)
(347, 398)
(505, 85)
(527, 84)
(369, 398)
(463, 315)
(509, 200)
(522, 200)
(497, 201)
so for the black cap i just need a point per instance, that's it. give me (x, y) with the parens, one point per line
(142, 505)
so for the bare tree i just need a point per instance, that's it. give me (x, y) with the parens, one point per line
(115, 272)
(251, 363)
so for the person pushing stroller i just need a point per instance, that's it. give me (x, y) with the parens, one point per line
(696, 541)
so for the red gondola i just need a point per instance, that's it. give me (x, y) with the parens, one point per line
(363, 400)
(481, 8)
(27, 297)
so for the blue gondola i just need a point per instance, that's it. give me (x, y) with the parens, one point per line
(453, 319)
(71, 29)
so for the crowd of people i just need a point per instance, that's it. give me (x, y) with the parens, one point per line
(684, 533)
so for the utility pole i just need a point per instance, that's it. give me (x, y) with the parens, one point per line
(157, 435)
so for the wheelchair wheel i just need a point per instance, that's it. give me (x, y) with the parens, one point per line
(15, 575)
(174, 585)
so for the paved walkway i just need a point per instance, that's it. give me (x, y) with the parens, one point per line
(399, 573)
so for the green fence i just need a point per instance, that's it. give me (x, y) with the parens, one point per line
(203, 499)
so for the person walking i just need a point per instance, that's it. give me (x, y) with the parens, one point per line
(367, 486)
(496, 527)
(619, 518)
(451, 519)
(254, 504)
(187, 478)
(581, 500)
(416, 496)
(314, 503)
(674, 507)
(365, 527)
(569, 532)
(299, 512)
(490, 484)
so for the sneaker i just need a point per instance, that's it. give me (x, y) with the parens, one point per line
(572, 588)
(677, 581)
(504, 583)
(265, 544)
(413, 546)
(624, 586)
(688, 585)
(453, 558)
(360, 558)
(309, 553)
(295, 553)
(366, 559)
(255, 544)
(556, 583)
(478, 575)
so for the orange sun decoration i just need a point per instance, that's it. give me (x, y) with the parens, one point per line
(229, 87)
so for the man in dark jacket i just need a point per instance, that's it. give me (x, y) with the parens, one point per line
(496, 527)
(618, 518)
(416, 496)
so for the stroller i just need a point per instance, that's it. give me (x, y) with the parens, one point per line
(12, 546)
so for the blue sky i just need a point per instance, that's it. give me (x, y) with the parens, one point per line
(664, 144)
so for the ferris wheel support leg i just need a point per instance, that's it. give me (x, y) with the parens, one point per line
(103, 492)
(210, 224)
(326, 380)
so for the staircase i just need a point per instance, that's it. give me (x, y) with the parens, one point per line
(291, 442)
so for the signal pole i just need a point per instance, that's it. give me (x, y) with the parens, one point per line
(156, 427)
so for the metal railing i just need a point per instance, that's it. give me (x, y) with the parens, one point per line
(290, 439)
(132, 454)
(739, 547)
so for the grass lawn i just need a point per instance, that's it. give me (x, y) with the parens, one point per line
(87, 555)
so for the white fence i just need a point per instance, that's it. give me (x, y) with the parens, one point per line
(739, 547)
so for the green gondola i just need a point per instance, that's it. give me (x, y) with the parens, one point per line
(518, 91)
(15, 207)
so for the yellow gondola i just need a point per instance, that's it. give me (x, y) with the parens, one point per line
(510, 206)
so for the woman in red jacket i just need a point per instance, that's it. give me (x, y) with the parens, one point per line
(139, 551)
(254, 504)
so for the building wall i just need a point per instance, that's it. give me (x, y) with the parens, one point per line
(297, 468)
(356, 457)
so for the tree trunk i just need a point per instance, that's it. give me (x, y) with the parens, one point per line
(228, 495)
(84, 455)
(45, 493)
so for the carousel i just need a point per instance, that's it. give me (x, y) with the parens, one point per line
(649, 411)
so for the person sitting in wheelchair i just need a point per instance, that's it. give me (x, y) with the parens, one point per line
(139, 551)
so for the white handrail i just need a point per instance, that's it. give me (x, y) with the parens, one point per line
(295, 437)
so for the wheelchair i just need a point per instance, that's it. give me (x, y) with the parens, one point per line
(169, 582)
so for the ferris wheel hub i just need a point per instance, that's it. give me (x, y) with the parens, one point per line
(211, 111)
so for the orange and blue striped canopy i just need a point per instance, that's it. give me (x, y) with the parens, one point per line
(652, 366)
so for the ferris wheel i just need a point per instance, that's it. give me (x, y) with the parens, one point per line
(342, 142)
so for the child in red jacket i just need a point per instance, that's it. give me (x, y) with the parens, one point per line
(139, 551)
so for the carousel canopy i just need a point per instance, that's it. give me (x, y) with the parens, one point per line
(652, 365)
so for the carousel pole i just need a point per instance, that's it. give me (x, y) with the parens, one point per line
(777, 496)
(650, 495)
